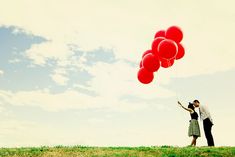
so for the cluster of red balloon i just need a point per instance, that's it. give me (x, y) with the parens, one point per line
(166, 48)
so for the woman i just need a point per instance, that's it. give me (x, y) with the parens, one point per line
(193, 129)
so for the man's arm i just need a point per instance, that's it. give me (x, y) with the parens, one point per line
(205, 113)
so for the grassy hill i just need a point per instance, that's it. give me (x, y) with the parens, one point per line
(82, 151)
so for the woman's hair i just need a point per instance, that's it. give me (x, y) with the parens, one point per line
(190, 105)
(196, 101)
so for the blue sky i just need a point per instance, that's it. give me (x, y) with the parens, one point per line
(68, 73)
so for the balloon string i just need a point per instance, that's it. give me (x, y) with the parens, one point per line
(170, 64)
(177, 88)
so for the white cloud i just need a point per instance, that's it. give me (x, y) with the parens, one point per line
(55, 102)
(60, 76)
(70, 99)
(116, 88)
(40, 53)
(59, 79)
(47, 100)
(15, 60)
(1, 72)
(120, 79)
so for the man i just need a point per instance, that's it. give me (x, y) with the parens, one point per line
(207, 121)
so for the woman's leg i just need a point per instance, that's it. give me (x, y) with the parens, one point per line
(194, 141)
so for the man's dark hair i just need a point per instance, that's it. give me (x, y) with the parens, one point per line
(196, 101)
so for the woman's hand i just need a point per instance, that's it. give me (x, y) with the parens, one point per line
(180, 104)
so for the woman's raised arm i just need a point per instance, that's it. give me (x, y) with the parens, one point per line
(187, 109)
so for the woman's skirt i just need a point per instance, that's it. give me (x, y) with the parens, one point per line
(194, 129)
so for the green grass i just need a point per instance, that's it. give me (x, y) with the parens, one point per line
(83, 151)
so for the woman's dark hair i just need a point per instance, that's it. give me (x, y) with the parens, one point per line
(190, 105)
(196, 101)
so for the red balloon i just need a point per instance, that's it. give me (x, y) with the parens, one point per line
(181, 52)
(146, 52)
(151, 63)
(144, 76)
(165, 63)
(155, 44)
(167, 49)
(174, 33)
(141, 63)
(160, 33)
